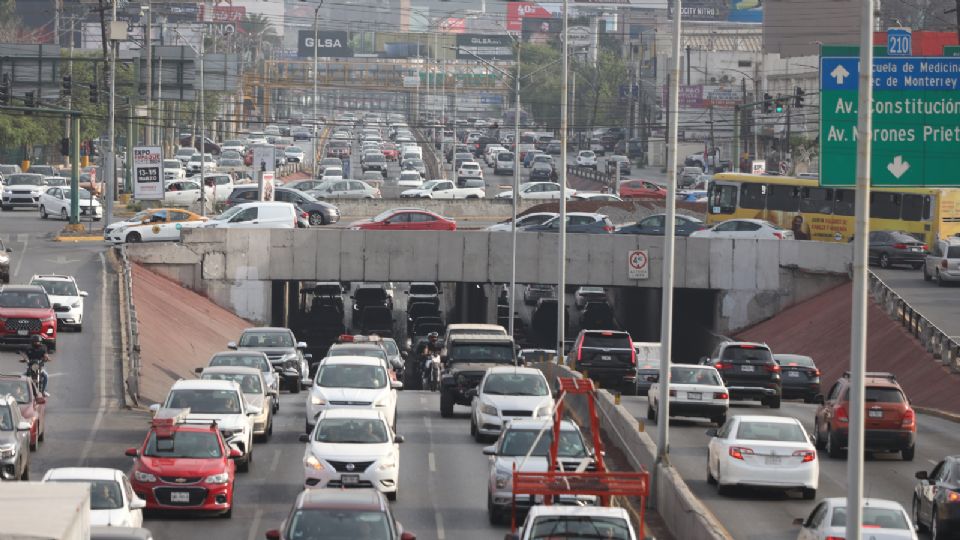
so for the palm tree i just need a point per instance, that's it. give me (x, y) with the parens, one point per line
(257, 31)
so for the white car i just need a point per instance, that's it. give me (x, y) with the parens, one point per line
(21, 190)
(184, 193)
(353, 448)
(695, 391)
(160, 225)
(254, 359)
(185, 153)
(753, 229)
(112, 500)
(587, 158)
(332, 173)
(503, 163)
(255, 391)
(507, 393)
(535, 218)
(763, 451)
(882, 520)
(65, 297)
(446, 189)
(234, 145)
(410, 179)
(221, 402)
(588, 294)
(294, 154)
(469, 169)
(490, 153)
(353, 382)
(209, 164)
(55, 201)
(574, 521)
(537, 190)
(173, 170)
(222, 185)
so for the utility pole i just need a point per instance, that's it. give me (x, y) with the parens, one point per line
(564, 113)
(516, 191)
(689, 82)
(787, 144)
(667, 130)
(712, 144)
(148, 44)
(111, 163)
(573, 111)
(316, 123)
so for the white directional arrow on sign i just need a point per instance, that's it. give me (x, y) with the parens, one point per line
(839, 73)
(898, 167)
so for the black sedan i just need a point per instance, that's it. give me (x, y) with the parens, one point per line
(799, 376)
(577, 222)
(936, 499)
(888, 248)
(654, 225)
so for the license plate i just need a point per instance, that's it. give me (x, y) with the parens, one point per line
(772, 460)
(746, 369)
(179, 496)
(915, 249)
(793, 374)
(694, 395)
(875, 414)
(22, 332)
(606, 357)
(350, 479)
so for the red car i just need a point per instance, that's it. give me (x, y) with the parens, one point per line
(184, 465)
(25, 311)
(406, 219)
(340, 513)
(390, 151)
(33, 404)
(641, 189)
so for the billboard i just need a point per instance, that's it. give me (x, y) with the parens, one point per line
(330, 44)
(699, 96)
(744, 11)
(539, 30)
(486, 46)
(516, 11)
(148, 173)
(453, 25)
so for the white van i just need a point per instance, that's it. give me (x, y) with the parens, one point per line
(410, 152)
(257, 214)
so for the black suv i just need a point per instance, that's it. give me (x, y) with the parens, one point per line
(467, 359)
(318, 212)
(748, 370)
(369, 296)
(607, 357)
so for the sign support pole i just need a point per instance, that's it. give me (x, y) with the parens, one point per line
(564, 137)
(75, 170)
(858, 338)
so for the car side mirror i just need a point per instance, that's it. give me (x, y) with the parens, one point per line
(301, 345)
(232, 345)
(83, 294)
(138, 504)
(471, 393)
(132, 452)
(921, 475)
(399, 439)
(396, 385)
(253, 410)
(9, 250)
(235, 453)
(154, 408)
(198, 370)
(712, 432)
(798, 522)
(408, 536)
(272, 534)
(704, 360)
(304, 438)
(23, 426)
(818, 399)
(489, 450)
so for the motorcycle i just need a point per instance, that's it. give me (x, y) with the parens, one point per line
(431, 373)
(35, 372)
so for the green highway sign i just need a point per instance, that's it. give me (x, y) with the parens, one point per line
(916, 121)
(951, 50)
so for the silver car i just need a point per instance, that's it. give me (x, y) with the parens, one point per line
(254, 359)
(942, 264)
(346, 189)
(14, 441)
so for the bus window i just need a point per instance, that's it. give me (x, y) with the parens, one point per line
(927, 205)
(753, 196)
(843, 202)
(912, 207)
(786, 198)
(885, 205)
(817, 201)
(723, 199)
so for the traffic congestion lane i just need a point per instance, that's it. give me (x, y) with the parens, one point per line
(937, 304)
(755, 514)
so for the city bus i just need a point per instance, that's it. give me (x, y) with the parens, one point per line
(826, 214)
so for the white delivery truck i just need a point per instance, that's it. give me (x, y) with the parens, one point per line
(55, 511)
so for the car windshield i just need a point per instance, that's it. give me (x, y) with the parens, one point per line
(249, 384)
(743, 353)
(184, 444)
(517, 442)
(18, 388)
(691, 375)
(6, 418)
(770, 431)
(339, 524)
(515, 384)
(202, 401)
(104, 494)
(549, 527)
(391, 347)
(883, 518)
(25, 179)
(230, 212)
(604, 341)
(802, 361)
(351, 376)
(266, 339)
(883, 394)
(352, 431)
(186, 152)
(427, 289)
(241, 360)
(481, 352)
(57, 287)
(367, 295)
(24, 299)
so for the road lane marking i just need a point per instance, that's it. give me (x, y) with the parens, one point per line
(432, 460)
(275, 461)
(26, 241)
(441, 535)
(101, 364)
(932, 462)
(428, 423)
(255, 526)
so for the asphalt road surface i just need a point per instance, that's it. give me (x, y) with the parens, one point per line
(937, 304)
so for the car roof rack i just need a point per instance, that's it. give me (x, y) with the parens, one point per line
(875, 375)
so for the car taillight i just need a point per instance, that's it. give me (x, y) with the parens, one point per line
(909, 419)
(772, 368)
(808, 455)
(778, 234)
(834, 538)
(720, 366)
(673, 393)
(841, 415)
(899, 245)
(608, 228)
(721, 395)
(816, 372)
(943, 264)
(737, 452)
(633, 354)
(924, 247)
(953, 496)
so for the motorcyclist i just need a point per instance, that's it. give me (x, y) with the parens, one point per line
(427, 349)
(37, 351)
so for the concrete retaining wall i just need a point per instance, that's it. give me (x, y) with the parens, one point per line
(495, 209)
(682, 512)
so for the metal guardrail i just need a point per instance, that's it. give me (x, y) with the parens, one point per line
(942, 346)
(131, 327)
(591, 174)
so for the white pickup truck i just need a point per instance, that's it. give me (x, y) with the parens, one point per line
(446, 189)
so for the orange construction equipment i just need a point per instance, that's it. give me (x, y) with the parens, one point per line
(601, 483)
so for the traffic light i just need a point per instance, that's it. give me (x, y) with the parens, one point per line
(64, 146)
(767, 103)
(67, 86)
(94, 93)
(798, 94)
(5, 90)
(779, 107)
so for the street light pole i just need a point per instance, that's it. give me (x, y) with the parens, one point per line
(516, 194)
(316, 123)
(148, 45)
(111, 161)
(562, 262)
(203, 138)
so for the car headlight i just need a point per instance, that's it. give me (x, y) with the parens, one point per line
(75, 304)
(217, 478)
(488, 409)
(317, 400)
(8, 450)
(502, 480)
(546, 410)
(230, 433)
(140, 476)
(387, 463)
(382, 402)
(313, 463)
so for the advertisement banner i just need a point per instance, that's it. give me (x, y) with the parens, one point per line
(330, 44)
(538, 30)
(698, 96)
(487, 47)
(266, 186)
(516, 11)
(148, 173)
(745, 11)
(453, 25)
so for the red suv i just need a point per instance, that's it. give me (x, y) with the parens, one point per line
(890, 424)
(26, 311)
(184, 465)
